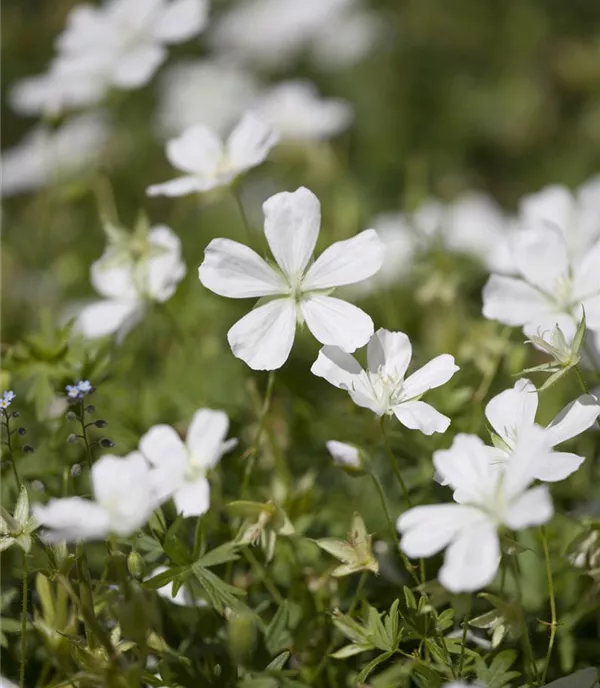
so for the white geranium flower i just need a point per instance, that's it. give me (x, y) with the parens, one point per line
(512, 414)
(296, 111)
(127, 287)
(45, 157)
(551, 288)
(209, 92)
(575, 215)
(298, 292)
(383, 387)
(344, 455)
(124, 497)
(486, 500)
(182, 467)
(210, 163)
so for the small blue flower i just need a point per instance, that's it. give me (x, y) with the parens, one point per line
(79, 390)
(73, 392)
(7, 398)
(85, 386)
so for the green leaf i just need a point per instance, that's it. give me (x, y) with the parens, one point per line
(586, 678)
(376, 631)
(497, 675)
(278, 663)
(219, 593)
(161, 579)
(277, 636)
(371, 666)
(174, 547)
(351, 650)
(219, 555)
(411, 602)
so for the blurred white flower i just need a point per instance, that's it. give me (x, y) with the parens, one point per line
(575, 215)
(45, 157)
(551, 287)
(210, 163)
(512, 414)
(299, 293)
(128, 287)
(120, 44)
(124, 497)
(345, 455)
(181, 468)
(486, 499)
(208, 92)
(296, 111)
(383, 387)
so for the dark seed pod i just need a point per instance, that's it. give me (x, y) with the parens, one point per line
(72, 438)
(90, 409)
(27, 449)
(16, 414)
(106, 443)
(100, 423)
(71, 416)
(21, 431)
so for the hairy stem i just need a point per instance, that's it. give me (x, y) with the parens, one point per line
(392, 460)
(554, 622)
(23, 621)
(464, 638)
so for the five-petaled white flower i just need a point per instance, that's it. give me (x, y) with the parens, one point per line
(182, 467)
(120, 44)
(551, 287)
(512, 414)
(125, 495)
(208, 162)
(127, 286)
(383, 387)
(486, 499)
(297, 112)
(264, 337)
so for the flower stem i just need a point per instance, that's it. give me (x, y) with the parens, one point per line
(393, 463)
(379, 488)
(358, 593)
(238, 200)
(263, 575)
(11, 456)
(526, 642)
(84, 435)
(85, 592)
(464, 637)
(23, 621)
(553, 623)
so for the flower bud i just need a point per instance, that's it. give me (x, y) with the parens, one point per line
(71, 416)
(72, 438)
(241, 634)
(135, 565)
(27, 449)
(347, 456)
(21, 431)
(90, 409)
(100, 423)
(16, 414)
(106, 443)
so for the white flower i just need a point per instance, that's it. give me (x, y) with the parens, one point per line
(264, 337)
(550, 288)
(127, 287)
(575, 215)
(44, 157)
(296, 111)
(182, 468)
(345, 455)
(486, 499)
(124, 497)
(210, 163)
(512, 414)
(120, 44)
(383, 387)
(210, 92)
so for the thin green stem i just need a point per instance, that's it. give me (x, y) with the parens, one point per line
(251, 453)
(238, 200)
(554, 622)
(263, 575)
(24, 621)
(464, 638)
(382, 499)
(526, 641)
(358, 593)
(11, 456)
(85, 592)
(392, 460)
(488, 378)
(84, 435)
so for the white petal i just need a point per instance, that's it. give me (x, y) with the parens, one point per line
(250, 142)
(574, 419)
(264, 337)
(557, 466)
(123, 487)
(234, 270)
(162, 446)
(433, 374)
(112, 281)
(106, 317)
(472, 560)
(428, 529)
(467, 467)
(344, 454)
(335, 322)
(165, 270)
(513, 410)
(586, 278)
(193, 498)
(531, 450)
(346, 262)
(292, 223)
(182, 186)
(71, 519)
(137, 66)
(206, 437)
(198, 151)
(181, 20)
(532, 508)
(512, 301)
(552, 207)
(542, 258)
(389, 353)
(417, 415)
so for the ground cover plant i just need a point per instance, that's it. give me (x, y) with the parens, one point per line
(301, 344)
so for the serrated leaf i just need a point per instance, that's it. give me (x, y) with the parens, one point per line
(351, 650)
(371, 666)
(219, 555)
(376, 631)
(219, 593)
